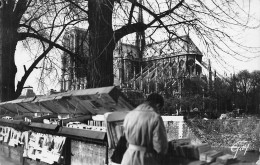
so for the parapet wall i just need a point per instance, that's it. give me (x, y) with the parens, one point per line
(177, 128)
(219, 133)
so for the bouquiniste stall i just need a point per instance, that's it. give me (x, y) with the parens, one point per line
(83, 127)
(74, 127)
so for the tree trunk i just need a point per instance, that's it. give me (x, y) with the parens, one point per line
(8, 42)
(246, 106)
(101, 44)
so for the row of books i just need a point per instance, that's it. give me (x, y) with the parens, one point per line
(90, 126)
(202, 152)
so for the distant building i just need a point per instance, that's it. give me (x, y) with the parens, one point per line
(161, 62)
(181, 56)
(74, 69)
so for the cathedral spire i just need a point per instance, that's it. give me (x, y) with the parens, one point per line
(140, 36)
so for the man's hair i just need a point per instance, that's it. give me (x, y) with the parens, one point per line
(155, 98)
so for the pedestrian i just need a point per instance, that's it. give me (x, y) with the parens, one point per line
(145, 133)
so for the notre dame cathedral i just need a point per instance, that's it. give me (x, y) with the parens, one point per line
(162, 66)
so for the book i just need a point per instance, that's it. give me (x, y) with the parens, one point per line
(210, 155)
(175, 148)
(226, 159)
(198, 149)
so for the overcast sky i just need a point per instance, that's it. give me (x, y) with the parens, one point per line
(252, 38)
(248, 37)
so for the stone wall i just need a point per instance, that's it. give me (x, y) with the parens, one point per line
(87, 153)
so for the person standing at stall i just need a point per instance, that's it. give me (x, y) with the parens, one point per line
(145, 133)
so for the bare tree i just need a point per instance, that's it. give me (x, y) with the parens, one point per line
(255, 75)
(40, 25)
(244, 85)
(210, 21)
(108, 21)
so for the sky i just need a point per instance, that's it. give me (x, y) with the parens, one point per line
(233, 65)
(249, 37)
(252, 38)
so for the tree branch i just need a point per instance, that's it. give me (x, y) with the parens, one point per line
(128, 29)
(27, 73)
(131, 13)
(139, 26)
(23, 36)
(158, 17)
(77, 6)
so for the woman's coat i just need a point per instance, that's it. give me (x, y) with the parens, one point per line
(146, 135)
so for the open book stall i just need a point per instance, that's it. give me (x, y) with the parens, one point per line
(83, 127)
(65, 128)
